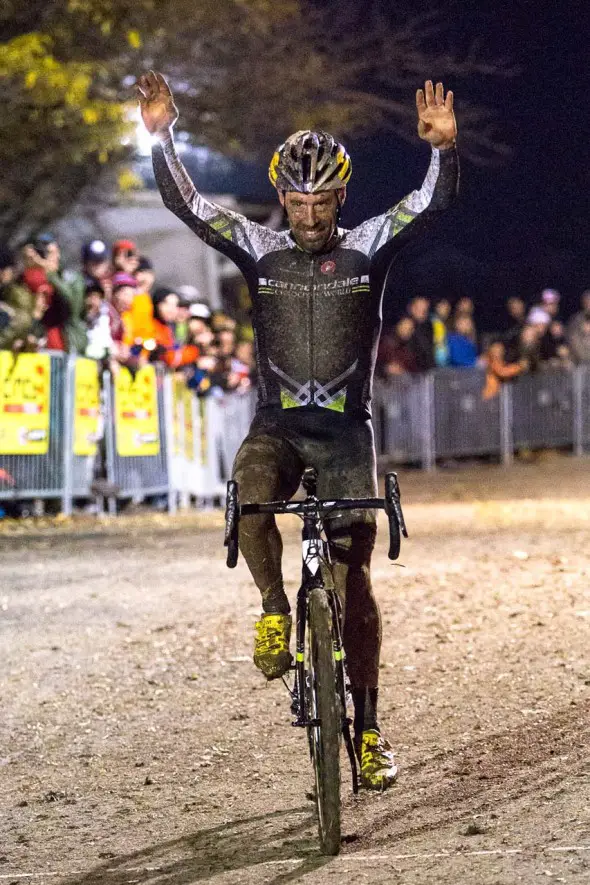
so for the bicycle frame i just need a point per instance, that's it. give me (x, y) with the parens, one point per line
(315, 553)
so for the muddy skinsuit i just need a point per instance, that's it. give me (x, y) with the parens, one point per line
(316, 319)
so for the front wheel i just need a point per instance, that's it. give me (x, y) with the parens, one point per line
(323, 706)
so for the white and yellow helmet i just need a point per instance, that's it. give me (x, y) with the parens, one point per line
(309, 162)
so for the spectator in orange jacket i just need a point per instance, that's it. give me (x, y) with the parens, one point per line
(168, 348)
(142, 308)
(498, 370)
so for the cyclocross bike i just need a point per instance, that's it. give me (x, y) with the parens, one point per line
(320, 688)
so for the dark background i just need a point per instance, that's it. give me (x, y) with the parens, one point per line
(517, 227)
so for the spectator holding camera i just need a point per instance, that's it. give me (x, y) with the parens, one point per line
(52, 309)
(43, 253)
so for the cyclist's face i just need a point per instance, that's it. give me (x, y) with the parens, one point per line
(312, 217)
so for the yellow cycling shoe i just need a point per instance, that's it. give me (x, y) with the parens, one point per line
(271, 645)
(377, 764)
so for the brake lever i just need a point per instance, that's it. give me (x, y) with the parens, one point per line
(232, 520)
(393, 508)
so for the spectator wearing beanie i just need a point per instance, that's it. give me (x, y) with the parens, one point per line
(124, 290)
(201, 335)
(539, 320)
(200, 332)
(125, 256)
(145, 275)
(550, 301)
(96, 266)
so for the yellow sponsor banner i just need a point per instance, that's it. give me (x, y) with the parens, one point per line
(136, 413)
(182, 420)
(189, 436)
(203, 422)
(178, 386)
(25, 393)
(86, 407)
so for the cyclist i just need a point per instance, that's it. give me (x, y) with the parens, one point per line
(316, 293)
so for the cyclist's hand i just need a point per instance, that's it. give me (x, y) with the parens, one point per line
(158, 111)
(436, 120)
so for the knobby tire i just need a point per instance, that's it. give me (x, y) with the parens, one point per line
(324, 705)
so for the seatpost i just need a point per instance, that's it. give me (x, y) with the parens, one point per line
(309, 481)
(312, 544)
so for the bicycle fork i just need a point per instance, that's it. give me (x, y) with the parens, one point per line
(313, 553)
(316, 550)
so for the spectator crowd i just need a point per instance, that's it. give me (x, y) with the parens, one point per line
(440, 335)
(114, 309)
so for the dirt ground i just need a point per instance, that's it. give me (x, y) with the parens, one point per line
(138, 744)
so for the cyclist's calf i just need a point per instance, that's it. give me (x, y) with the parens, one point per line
(351, 547)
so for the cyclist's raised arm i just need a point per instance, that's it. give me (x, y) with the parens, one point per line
(221, 228)
(410, 214)
(437, 126)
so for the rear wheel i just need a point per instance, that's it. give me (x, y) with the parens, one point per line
(324, 706)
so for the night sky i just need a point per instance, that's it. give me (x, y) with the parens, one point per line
(525, 225)
(518, 227)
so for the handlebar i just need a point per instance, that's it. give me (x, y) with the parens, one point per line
(391, 503)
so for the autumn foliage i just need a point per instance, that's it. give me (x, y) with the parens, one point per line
(245, 73)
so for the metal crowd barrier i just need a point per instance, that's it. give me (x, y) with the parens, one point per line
(465, 423)
(418, 419)
(39, 476)
(545, 409)
(140, 476)
(403, 418)
(207, 435)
